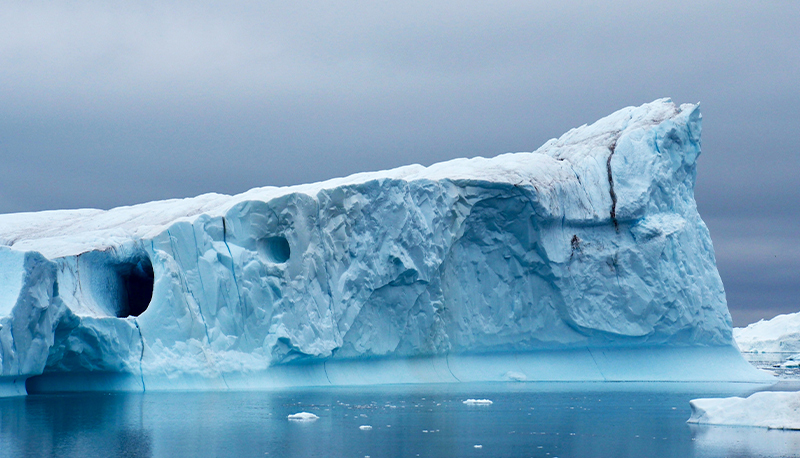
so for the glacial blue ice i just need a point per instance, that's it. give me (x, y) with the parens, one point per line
(584, 260)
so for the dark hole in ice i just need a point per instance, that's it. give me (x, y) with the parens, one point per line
(276, 249)
(137, 280)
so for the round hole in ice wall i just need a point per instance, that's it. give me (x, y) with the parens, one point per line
(275, 249)
(136, 279)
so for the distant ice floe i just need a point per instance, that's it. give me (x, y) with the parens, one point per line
(766, 409)
(303, 416)
(478, 402)
(365, 427)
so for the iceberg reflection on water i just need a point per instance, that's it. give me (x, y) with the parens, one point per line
(744, 441)
(559, 419)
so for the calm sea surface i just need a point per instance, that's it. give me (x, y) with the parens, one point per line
(524, 420)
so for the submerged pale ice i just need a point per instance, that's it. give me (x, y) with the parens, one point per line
(584, 260)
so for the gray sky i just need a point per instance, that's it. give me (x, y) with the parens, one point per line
(105, 104)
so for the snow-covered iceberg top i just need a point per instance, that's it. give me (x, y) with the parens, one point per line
(590, 248)
(766, 409)
(778, 335)
(571, 174)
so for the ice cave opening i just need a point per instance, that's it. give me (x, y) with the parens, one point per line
(137, 280)
(275, 249)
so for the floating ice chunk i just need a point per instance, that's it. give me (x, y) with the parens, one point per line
(478, 446)
(478, 402)
(766, 409)
(303, 416)
(791, 362)
(365, 427)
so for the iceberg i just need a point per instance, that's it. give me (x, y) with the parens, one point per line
(766, 409)
(583, 260)
(779, 335)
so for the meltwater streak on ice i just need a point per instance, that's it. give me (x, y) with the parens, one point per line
(584, 260)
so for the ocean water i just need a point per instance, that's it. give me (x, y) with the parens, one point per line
(524, 420)
(783, 365)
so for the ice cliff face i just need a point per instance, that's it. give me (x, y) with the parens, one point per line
(592, 241)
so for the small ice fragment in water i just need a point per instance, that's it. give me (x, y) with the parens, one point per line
(478, 446)
(478, 402)
(365, 427)
(303, 416)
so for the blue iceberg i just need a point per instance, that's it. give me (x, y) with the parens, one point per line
(584, 260)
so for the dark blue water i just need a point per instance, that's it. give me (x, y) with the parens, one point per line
(525, 420)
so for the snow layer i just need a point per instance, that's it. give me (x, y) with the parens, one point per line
(591, 242)
(778, 335)
(767, 409)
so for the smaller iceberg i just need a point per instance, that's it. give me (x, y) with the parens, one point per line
(778, 335)
(766, 409)
(792, 362)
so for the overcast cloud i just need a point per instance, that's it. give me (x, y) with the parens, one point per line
(105, 104)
